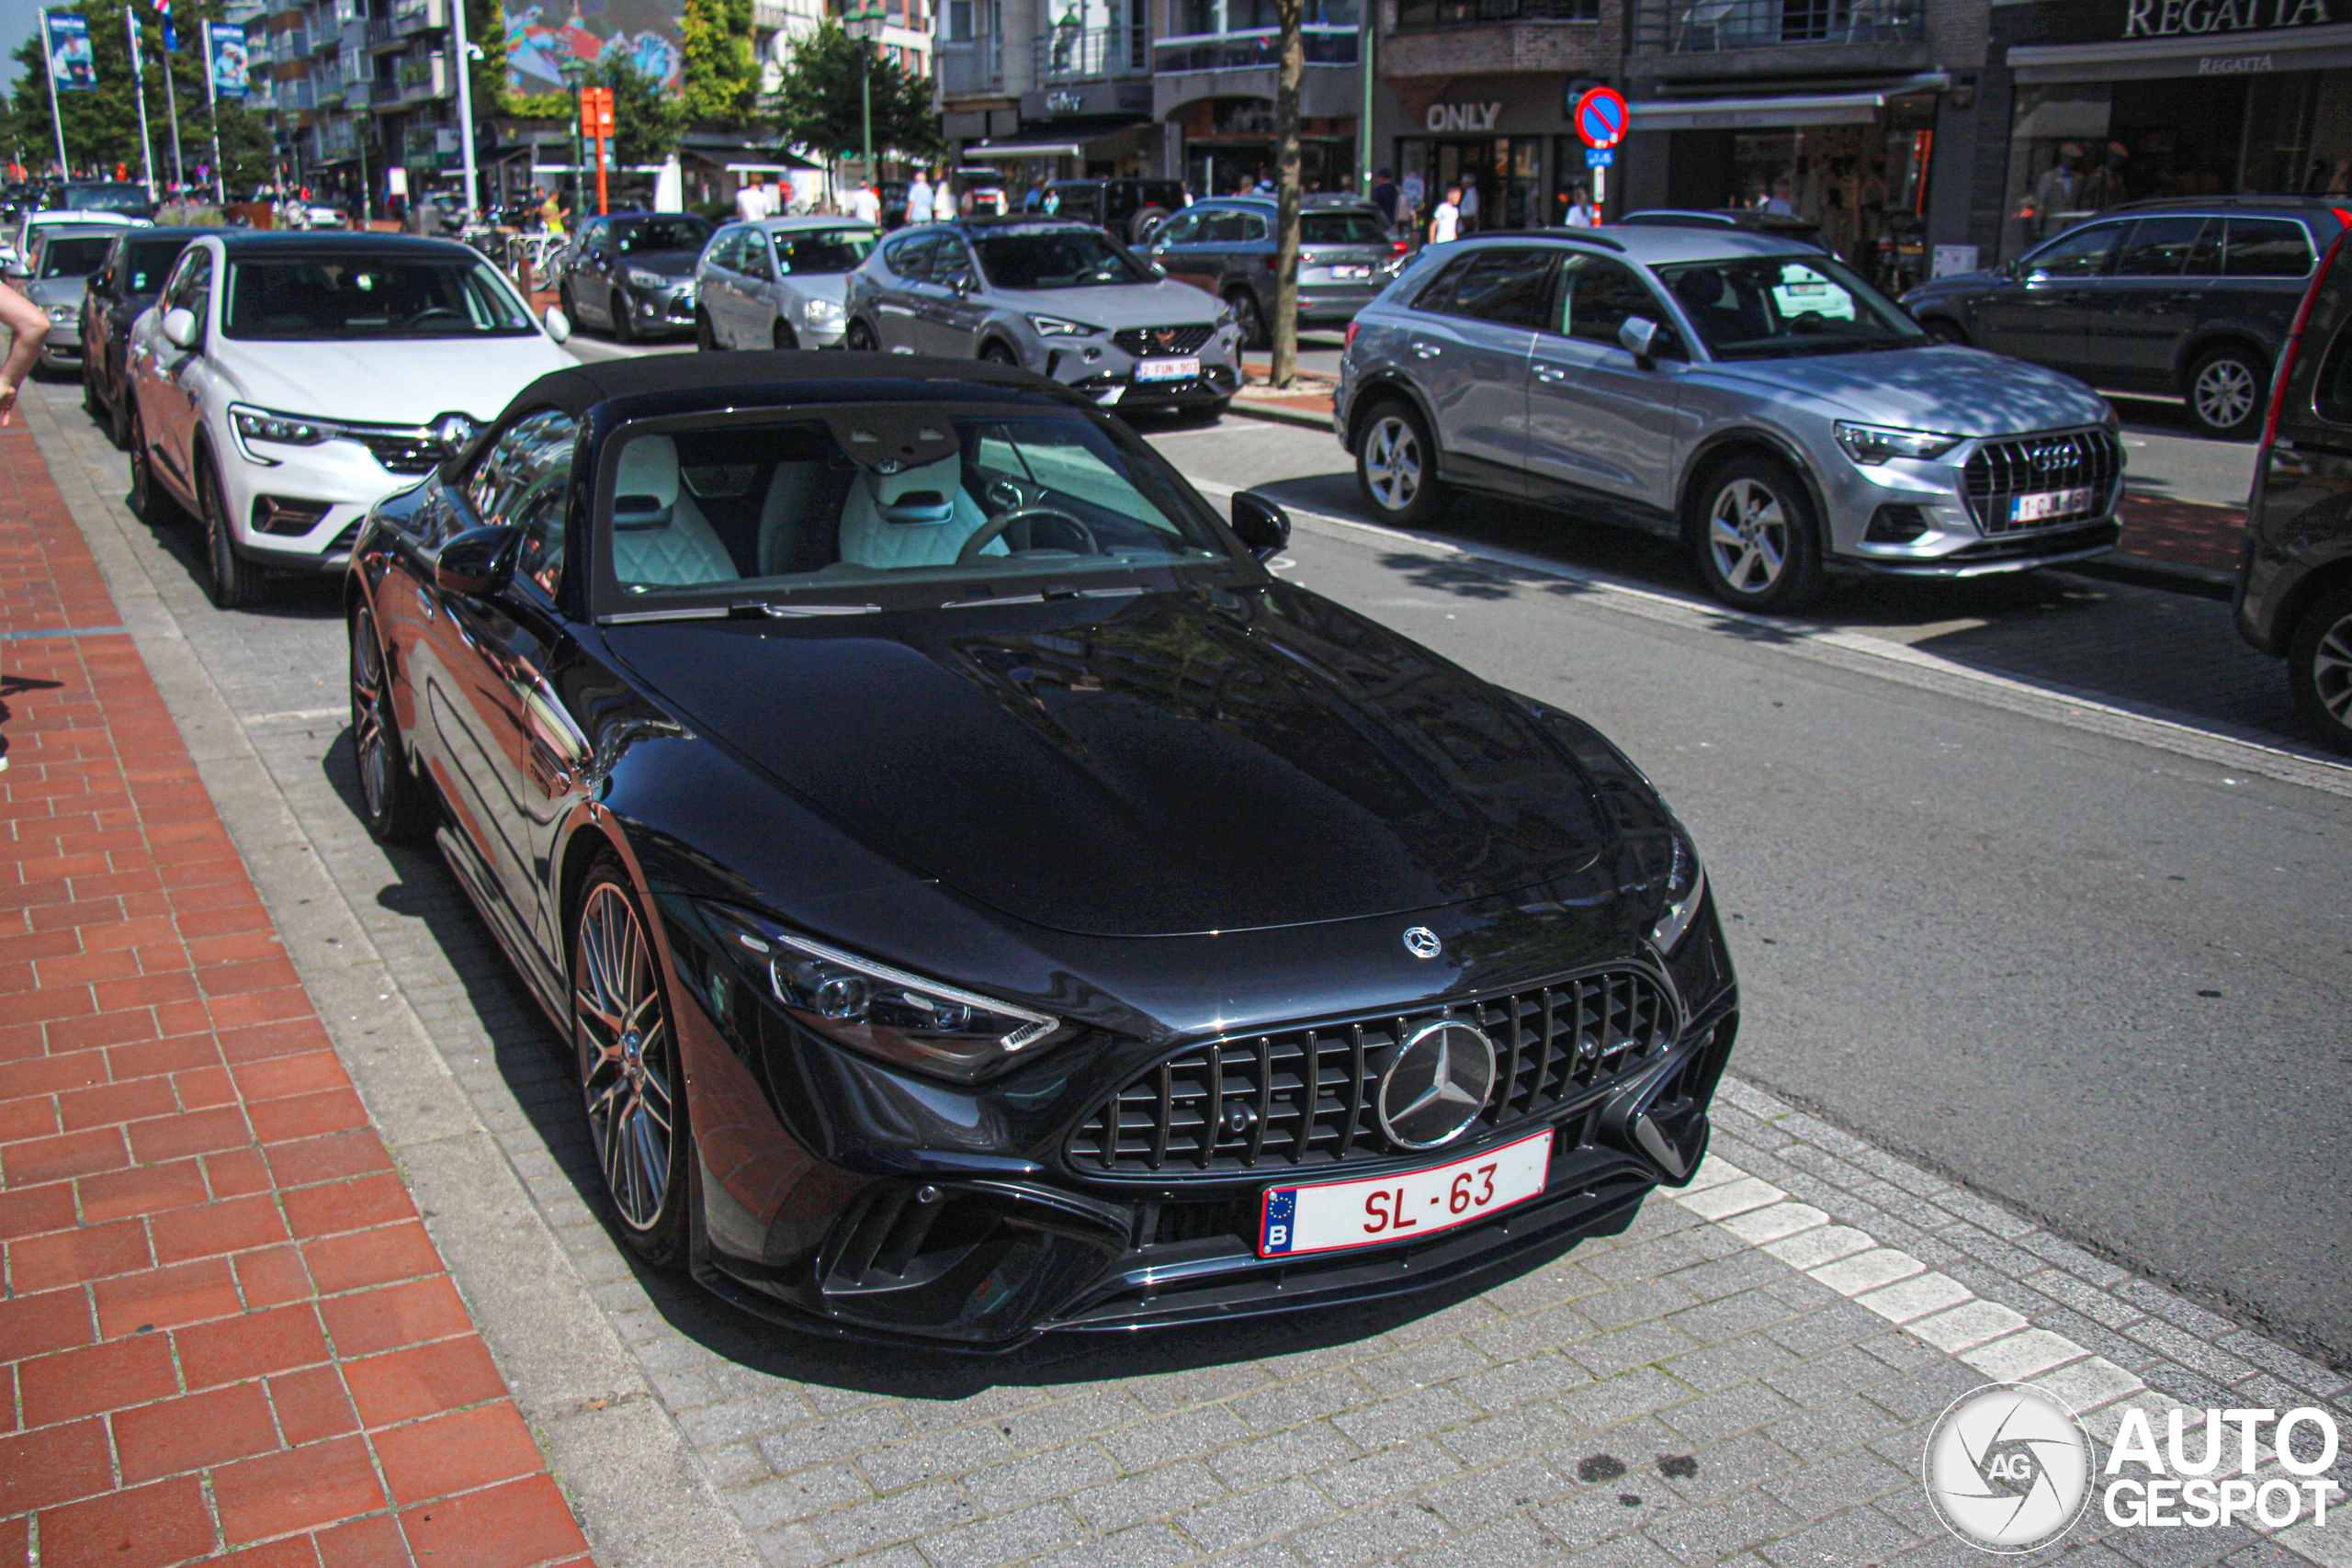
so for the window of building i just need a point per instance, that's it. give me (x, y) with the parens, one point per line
(1458, 13)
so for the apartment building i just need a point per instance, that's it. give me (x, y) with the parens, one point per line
(354, 89)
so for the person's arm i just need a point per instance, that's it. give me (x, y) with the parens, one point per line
(28, 326)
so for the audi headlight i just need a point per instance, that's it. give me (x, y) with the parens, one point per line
(819, 312)
(1871, 445)
(640, 278)
(279, 429)
(1686, 889)
(1055, 326)
(883, 1012)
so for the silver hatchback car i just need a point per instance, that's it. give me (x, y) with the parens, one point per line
(777, 283)
(1747, 395)
(1061, 298)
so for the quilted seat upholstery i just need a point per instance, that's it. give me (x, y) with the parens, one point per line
(660, 536)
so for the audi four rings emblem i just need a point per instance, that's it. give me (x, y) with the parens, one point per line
(1422, 942)
(1437, 1084)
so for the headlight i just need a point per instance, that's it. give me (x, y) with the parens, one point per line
(819, 312)
(1871, 445)
(882, 1011)
(61, 314)
(1055, 326)
(1686, 889)
(280, 429)
(640, 278)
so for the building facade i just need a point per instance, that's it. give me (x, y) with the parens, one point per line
(355, 89)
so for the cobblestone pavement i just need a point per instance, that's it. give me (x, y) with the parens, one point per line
(1745, 1376)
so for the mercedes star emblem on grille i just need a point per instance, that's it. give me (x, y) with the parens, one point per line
(1422, 942)
(1436, 1085)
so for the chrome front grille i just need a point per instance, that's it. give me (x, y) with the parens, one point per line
(404, 452)
(1146, 343)
(1305, 1097)
(2074, 459)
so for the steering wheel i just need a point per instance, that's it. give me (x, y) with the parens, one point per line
(430, 313)
(994, 528)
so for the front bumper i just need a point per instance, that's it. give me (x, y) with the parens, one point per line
(339, 481)
(658, 310)
(1947, 517)
(1105, 371)
(61, 350)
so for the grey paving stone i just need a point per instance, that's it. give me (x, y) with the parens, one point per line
(1521, 1430)
(924, 1510)
(1506, 1543)
(1384, 1531)
(1390, 1472)
(1144, 1546)
(1472, 1499)
(1837, 1483)
(1625, 1551)
(1840, 1421)
(1858, 1536)
(1711, 1417)
(933, 1455)
(1744, 1358)
(1606, 1355)
(800, 1496)
(1835, 1322)
(1052, 1473)
(1301, 1400)
(1716, 1471)
(1278, 1510)
(1733, 1319)
(1407, 1416)
(1419, 1364)
(1705, 1535)
(1132, 1498)
(1007, 1537)
(1520, 1381)
(1602, 1404)
(1635, 1303)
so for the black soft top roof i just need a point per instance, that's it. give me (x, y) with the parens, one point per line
(691, 383)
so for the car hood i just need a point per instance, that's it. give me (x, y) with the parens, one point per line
(55, 290)
(396, 381)
(1955, 283)
(678, 266)
(1160, 303)
(1166, 765)
(1959, 391)
(833, 286)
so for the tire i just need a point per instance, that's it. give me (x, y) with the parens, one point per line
(995, 353)
(149, 499)
(1943, 331)
(234, 582)
(705, 339)
(629, 1077)
(92, 404)
(624, 327)
(2319, 668)
(1758, 542)
(391, 801)
(784, 337)
(119, 419)
(860, 339)
(570, 306)
(1144, 224)
(1251, 319)
(2225, 390)
(1397, 466)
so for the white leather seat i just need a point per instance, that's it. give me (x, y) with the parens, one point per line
(915, 517)
(660, 536)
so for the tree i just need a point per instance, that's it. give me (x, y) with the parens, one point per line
(817, 105)
(722, 79)
(486, 30)
(102, 125)
(646, 120)
(1289, 16)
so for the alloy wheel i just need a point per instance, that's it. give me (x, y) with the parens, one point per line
(2331, 671)
(368, 740)
(625, 1054)
(2223, 393)
(1392, 462)
(1747, 532)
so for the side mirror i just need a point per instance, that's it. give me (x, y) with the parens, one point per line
(1262, 526)
(179, 326)
(479, 560)
(558, 324)
(17, 269)
(1640, 336)
(960, 283)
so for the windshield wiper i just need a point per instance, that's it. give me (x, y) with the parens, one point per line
(741, 609)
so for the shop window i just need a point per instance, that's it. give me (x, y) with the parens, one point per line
(2159, 248)
(2265, 247)
(2082, 253)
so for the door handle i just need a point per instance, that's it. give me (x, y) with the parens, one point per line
(1427, 349)
(1552, 374)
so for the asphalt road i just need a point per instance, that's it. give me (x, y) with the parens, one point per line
(2101, 980)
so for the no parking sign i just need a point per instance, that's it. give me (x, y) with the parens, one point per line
(1600, 119)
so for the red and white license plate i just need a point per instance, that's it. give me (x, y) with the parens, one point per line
(1335, 1215)
(2049, 503)
(1183, 370)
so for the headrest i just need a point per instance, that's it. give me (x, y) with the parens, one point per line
(926, 494)
(647, 485)
(1700, 290)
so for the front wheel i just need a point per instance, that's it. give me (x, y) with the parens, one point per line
(998, 354)
(2319, 668)
(1250, 319)
(2225, 391)
(627, 1056)
(705, 339)
(235, 581)
(1396, 467)
(148, 498)
(390, 799)
(784, 338)
(624, 326)
(1759, 546)
(860, 339)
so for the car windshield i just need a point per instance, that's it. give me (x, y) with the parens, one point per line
(822, 250)
(346, 296)
(1341, 228)
(897, 507)
(1773, 307)
(1064, 258)
(647, 235)
(77, 255)
(108, 197)
(145, 264)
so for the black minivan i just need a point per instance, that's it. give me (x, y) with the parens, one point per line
(2294, 593)
(2189, 298)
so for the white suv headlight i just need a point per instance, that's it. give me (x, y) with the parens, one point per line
(1871, 445)
(819, 312)
(248, 424)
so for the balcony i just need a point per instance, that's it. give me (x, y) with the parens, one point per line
(420, 80)
(416, 18)
(262, 97)
(297, 93)
(1723, 38)
(1255, 48)
(293, 44)
(969, 67)
(1090, 54)
(359, 94)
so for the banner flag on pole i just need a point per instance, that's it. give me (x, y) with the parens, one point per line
(71, 65)
(171, 38)
(225, 59)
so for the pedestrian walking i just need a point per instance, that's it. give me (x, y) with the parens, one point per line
(1468, 204)
(1384, 195)
(752, 202)
(1580, 214)
(1445, 223)
(28, 326)
(865, 206)
(919, 199)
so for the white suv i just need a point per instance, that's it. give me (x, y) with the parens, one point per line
(285, 383)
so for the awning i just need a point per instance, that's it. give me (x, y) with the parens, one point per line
(987, 152)
(2199, 54)
(1741, 114)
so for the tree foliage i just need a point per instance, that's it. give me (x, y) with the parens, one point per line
(722, 78)
(486, 30)
(647, 122)
(816, 102)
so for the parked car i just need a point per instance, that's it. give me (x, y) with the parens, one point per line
(51, 275)
(1061, 298)
(1129, 207)
(777, 283)
(19, 245)
(1787, 225)
(1749, 396)
(2191, 297)
(633, 273)
(1224, 245)
(325, 215)
(130, 279)
(125, 197)
(2294, 590)
(980, 191)
(285, 383)
(982, 899)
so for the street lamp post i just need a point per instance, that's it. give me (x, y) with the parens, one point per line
(574, 71)
(865, 17)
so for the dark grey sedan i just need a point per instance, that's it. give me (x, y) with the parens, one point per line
(633, 273)
(1226, 246)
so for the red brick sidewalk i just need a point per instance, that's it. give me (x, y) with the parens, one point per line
(223, 1329)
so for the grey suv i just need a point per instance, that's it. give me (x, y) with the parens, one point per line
(1749, 395)
(1226, 246)
(1059, 297)
(2187, 297)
